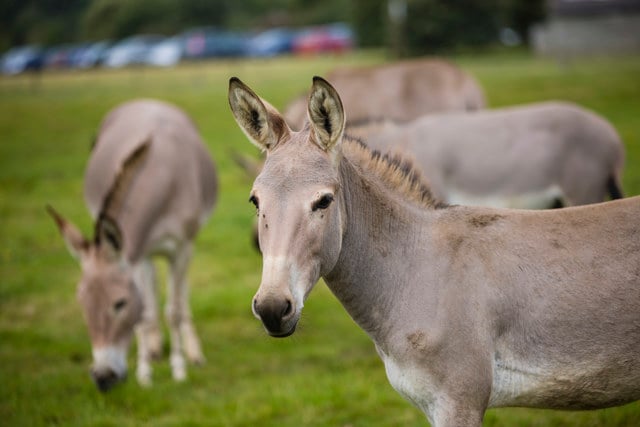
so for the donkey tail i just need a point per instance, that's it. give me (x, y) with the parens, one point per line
(614, 188)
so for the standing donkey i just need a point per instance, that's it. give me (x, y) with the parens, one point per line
(150, 185)
(469, 307)
(400, 91)
(531, 156)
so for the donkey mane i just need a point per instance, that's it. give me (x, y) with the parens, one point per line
(396, 172)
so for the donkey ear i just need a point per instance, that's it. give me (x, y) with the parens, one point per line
(75, 241)
(108, 237)
(326, 114)
(262, 123)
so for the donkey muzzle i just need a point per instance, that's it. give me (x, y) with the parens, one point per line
(277, 315)
(109, 367)
(105, 378)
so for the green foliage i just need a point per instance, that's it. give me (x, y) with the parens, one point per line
(267, 13)
(116, 19)
(431, 25)
(369, 18)
(328, 373)
(39, 21)
(519, 15)
(437, 26)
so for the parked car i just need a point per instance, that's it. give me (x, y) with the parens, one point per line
(209, 42)
(166, 53)
(21, 59)
(132, 50)
(92, 55)
(61, 56)
(275, 41)
(333, 38)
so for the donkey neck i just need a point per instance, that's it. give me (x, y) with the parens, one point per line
(383, 237)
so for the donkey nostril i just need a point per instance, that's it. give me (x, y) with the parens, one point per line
(104, 380)
(287, 309)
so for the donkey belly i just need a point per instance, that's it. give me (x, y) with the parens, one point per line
(575, 387)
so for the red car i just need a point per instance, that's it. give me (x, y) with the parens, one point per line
(335, 38)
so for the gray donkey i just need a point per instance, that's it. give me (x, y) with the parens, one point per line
(150, 184)
(400, 91)
(530, 156)
(469, 307)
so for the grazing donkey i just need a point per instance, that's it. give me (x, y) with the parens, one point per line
(531, 157)
(399, 91)
(469, 307)
(150, 185)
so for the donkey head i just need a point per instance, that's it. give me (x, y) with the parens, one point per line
(110, 301)
(297, 198)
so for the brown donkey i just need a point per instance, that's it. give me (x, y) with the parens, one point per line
(469, 307)
(150, 185)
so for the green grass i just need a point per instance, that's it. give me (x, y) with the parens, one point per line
(328, 373)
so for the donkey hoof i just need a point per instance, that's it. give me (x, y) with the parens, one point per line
(178, 368)
(197, 359)
(145, 382)
(180, 375)
(143, 375)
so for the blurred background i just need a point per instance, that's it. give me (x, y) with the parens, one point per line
(65, 64)
(57, 34)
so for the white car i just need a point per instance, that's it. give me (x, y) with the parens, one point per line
(132, 50)
(166, 53)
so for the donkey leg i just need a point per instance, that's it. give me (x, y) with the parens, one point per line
(455, 391)
(148, 330)
(457, 417)
(188, 333)
(179, 316)
(190, 338)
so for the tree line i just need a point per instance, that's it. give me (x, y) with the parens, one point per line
(423, 26)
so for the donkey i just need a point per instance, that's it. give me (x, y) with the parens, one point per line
(150, 184)
(399, 91)
(532, 156)
(469, 307)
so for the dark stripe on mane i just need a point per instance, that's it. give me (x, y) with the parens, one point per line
(113, 200)
(398, 172)
(106, 227)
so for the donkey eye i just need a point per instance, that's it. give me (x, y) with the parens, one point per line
(119, 305)
(254, 200)
(323, 202)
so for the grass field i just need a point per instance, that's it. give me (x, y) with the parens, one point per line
(328, 373)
